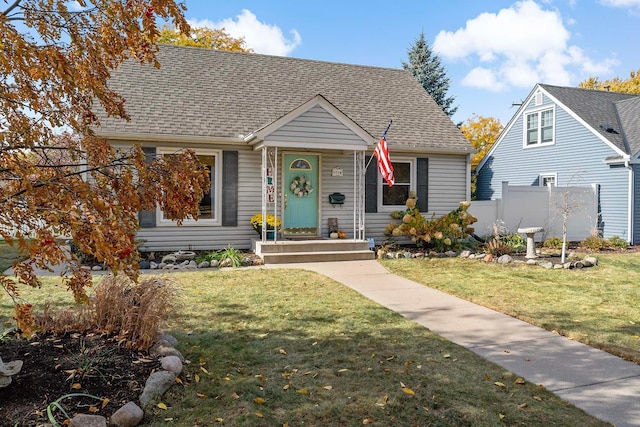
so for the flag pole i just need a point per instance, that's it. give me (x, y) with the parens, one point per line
(383, 135)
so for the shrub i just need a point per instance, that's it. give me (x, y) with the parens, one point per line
(228, 257)
(618, 242)
(514, 241)
(497, 247)
(439, 233)
(595, 243)
(553, 243)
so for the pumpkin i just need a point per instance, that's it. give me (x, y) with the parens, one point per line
(333, 235)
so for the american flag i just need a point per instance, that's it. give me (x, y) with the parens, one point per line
(385, 167)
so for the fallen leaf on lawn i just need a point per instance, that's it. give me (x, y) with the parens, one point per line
(66, 422)
(259, 400)
(487, 377)
(282, 351)
(285, 425)
(235, 396)
(34, 343)
(204, 370)
(93, 409)
(520, 381)
(389, 359)
(367, 421)
(219, 420)
(259, 414)
(76, 386)
(105, 402)
(286, 387)
(447, 356)
(201, 396)
(226, 379)
(499, 384)
(523, 405)
(382, 401)
(179, 381)
(162, 406)
(343, 370)
(261, 377)
(263, 335)
(58, 346)
(501, 416)
(302, 391)
(327, 387)
(197, 378)
(408, 391)
(538, 398)
(314, 343)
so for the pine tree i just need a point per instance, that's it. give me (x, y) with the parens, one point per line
(427, 69)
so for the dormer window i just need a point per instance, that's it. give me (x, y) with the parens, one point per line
(538, 128)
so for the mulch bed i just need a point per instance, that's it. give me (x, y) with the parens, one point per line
(55, 366)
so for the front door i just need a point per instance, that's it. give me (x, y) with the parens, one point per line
(300, 195)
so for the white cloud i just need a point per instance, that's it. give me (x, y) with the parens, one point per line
(519, 46)
(259, 36)
(483, 78)
(621, 3)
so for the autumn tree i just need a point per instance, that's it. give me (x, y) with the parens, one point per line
(630, 85)
(428, 70)
(216, 38)
(56, 177)
(482, 132)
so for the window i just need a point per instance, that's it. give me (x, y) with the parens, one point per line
(539, 128)
(210, 203)
(396, 196)
(547, 179)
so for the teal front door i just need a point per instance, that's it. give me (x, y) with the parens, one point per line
(300, 195)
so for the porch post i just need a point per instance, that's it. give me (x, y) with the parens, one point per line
(263, 193)
(359, 171)
(274, 165)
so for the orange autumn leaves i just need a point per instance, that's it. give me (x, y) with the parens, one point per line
(56, 177)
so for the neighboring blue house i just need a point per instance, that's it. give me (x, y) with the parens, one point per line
(573, 137)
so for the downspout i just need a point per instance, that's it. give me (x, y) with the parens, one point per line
(631, 201)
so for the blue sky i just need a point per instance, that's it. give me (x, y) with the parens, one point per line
(493, 51)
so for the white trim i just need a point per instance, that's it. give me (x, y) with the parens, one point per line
(318, 100)
(217, 191)
(412, 183)
(583, 123)
(553, 175)
(538, 98)
(315, 146)
(538, 112)
(164, 138)
(630, 212)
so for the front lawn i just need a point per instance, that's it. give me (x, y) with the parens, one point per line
(289, 348)
(8, 254)
(599, 306)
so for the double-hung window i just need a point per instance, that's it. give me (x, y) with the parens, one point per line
(539, 128)
(210, 202)
(394, 197)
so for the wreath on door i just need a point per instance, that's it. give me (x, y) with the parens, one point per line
(300, 186)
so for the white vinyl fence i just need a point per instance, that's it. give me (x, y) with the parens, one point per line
(528, 206)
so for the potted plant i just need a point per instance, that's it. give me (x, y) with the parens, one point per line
(272, 223)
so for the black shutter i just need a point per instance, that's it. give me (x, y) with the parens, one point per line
(371, 187)
(422, 186)
(147, 219)
(230, 188)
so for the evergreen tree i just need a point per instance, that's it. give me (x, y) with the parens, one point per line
(429, 72)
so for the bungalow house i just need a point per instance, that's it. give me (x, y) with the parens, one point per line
(280, 135)
(566, 136)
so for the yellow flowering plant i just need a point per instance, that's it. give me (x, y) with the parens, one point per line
(272, 221)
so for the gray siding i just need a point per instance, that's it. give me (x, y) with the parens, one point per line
(577, 157)
(447, 188)
(315, 125)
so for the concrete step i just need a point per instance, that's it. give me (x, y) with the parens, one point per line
(317, 256)
(327, 245)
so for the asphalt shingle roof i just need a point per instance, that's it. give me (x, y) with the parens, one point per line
(604, 110)
(207, 93)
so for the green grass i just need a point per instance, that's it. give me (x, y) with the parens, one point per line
(288, 347)
(8, 255)
(599, 306)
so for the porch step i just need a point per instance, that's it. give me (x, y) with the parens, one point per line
(285, 251)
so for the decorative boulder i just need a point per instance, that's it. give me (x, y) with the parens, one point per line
(7, 370)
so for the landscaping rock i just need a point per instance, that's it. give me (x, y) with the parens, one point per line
(204, 264)
(408, 255)
(184, 255)
(192, 264)
(96, 268)
(418, 255)
(171, 364)
(389, 255)
(7, 370)
(160, 350)
(532, 262)
(465, 254)
(488, 258)
(170, 340)
(451, 254)
(546, 264)
(591, 259)
(162, 265)
(557, 266)
(153, 265)
(256, 261)
(157, 384)
(84, 420)
(505, 259)
(567, 265)
(578, 264)
(169, 259)
(130, 415)
(145, 265)
(169, 267)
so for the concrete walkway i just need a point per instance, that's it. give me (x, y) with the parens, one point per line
(603, 385)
